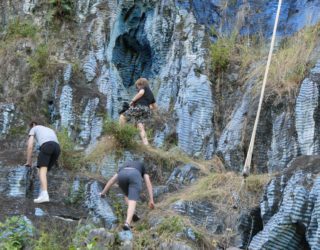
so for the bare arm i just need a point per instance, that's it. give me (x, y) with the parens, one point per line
(29, 150)
(137, 96)
(149, 188)
(109, 184)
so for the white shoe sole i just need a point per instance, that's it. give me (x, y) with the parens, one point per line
(40, 200)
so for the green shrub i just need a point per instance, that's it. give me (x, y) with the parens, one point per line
(69, 157)
(21, 28)
(170, 226)
(14, 233)
(46, 241)
(124, 135)
(62, 9)
(39, 65)
(53, 235)
(76, 197)
(221, 52)
(80, 237)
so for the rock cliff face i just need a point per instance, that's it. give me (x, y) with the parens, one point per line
(289, 209)
(93, 59)
(167, 42)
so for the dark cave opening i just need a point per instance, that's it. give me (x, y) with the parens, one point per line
(250, 224)
(132, 53)
(301, 230)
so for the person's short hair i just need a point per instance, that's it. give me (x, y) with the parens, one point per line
(33, 123)
(142, 82)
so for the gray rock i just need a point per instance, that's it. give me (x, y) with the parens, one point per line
(6, 117)
(307, 105)
(99, 207)
(201, 213)
(17, 180)
(110, 164)
(284, 146)
(125, 236)
(231, 140)
(155, 221)
(102, 238)
(183, 175)
(159, 190)
(190, 234)
(288, 208)
(175, 246)
(90, 124)
(39, 212)
(66, 107)
(127, 245)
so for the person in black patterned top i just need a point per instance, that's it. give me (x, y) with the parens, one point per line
(140, 108)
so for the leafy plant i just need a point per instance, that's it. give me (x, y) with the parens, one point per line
(14, 233)
(124, 135)
(69, 157)
(52, 236)
(170, 226)
(221, 53)
(78, 196)
(18, 28)
(39, 65)
(62, 9)
(46, 241)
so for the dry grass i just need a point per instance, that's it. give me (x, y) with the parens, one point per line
(174, 157)
(164, 161)
(170, 224)
(104, 147)
(223, 189)
(228, 194)
(291, 60)
(290, 63)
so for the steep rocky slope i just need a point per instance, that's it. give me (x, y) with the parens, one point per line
(93, 60)
(74, 69)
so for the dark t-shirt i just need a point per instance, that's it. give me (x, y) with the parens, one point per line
(147, 98)
(134, 164)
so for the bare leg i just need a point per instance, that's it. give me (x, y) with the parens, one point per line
(122, 120)
(43, 196)
(131, 209)
(143, 134)
(43, 178)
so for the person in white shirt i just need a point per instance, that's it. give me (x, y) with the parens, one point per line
(48, 155)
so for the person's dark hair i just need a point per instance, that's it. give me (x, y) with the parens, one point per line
(33, 123)
(125, 107)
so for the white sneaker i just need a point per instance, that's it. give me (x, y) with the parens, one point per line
(43, 197)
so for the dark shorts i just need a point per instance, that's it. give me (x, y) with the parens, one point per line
(49, 153)
(138, 114)
(130, 182)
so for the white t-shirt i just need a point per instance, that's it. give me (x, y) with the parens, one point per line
(43, 134)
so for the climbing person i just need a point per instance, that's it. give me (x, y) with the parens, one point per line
(129, 178)
(47, 139)
(140, 108)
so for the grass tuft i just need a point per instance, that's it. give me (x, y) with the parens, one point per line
(69, 157)
(18, 28)
(124, 135)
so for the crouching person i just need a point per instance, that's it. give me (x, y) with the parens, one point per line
(129, 179)
(48, 155)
